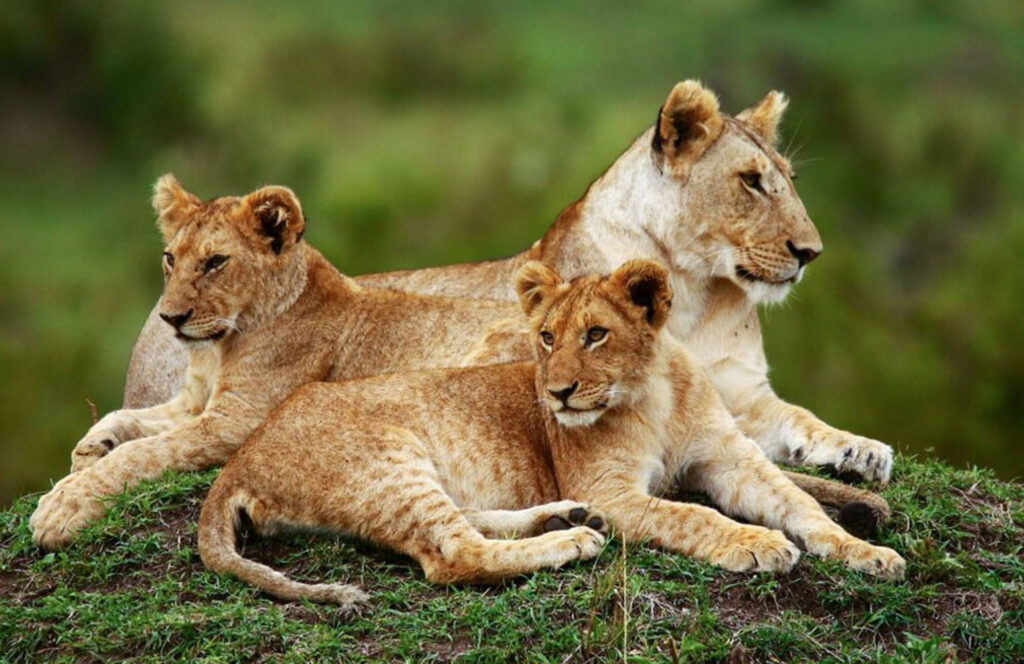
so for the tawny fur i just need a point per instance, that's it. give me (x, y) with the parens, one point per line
(272, 316)
(417, 461)
(683, 193)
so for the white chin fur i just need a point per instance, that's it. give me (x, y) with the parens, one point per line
(578, 418)
(763, 292)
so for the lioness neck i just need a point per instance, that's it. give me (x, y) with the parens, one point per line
(633, 211)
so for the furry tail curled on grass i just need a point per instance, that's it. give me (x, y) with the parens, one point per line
(224, 511)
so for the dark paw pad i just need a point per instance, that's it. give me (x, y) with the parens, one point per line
(556, 523)
(577, 515)
(595, 523)
(859, 519)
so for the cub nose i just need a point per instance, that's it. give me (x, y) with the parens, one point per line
(803, 255)
(177, 320)
(564, 393)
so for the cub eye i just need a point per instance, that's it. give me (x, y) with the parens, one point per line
(595, 334)
(214, 262)
(752, 179)
(792, 176)
(547, 338)
(169, 259)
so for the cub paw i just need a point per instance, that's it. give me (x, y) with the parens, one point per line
(757, 549)
(588, 542)
(91, 449)
(569, 513)
(68, 508)
(846, 455)
(875, 560)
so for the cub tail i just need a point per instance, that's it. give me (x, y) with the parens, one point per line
(861, 512)
(225, 512)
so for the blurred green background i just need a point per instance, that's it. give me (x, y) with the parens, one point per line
(426, 133)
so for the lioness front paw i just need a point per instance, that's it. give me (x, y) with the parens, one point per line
(92, 448)
(756, 549)
(568, 513)
(846, 453)
(875, 560)
(68, 508)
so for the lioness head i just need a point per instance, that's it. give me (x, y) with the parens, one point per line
(595, 336)
(228, 262)
(743, 218)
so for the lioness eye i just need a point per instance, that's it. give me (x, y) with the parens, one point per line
(169, 258)
(752, 179)
(214, 262)
(596, 334)
(547, 338)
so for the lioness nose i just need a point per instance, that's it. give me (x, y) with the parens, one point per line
(803, 255)
(564, 393)
(177, 320)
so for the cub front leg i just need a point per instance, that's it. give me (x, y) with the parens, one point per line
(129, 424)
(696, 531)
(78, 499)
(738, 478)
(122, 426)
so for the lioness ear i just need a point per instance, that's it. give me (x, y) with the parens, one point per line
(535, 281)
(645, 283)
(764, 118)
(172, 204)
(688, 123)
(278, 216)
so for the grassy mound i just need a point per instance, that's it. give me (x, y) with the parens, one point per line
(133, 587)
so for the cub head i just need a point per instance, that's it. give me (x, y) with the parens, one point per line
(595, 336)
(228, 262)
(740, 217)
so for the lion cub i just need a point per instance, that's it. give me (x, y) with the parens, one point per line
(261, 313)
(435, 463)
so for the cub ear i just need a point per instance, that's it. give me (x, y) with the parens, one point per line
(645, 283)
(173, 205)
(278, 216)
(688, 123)
(764, 118)
(535, 282)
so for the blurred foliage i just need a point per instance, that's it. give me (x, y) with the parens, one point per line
(428, 133)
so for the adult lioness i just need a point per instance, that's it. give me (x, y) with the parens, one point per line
(262, 313)
(428, 463)
(708, 195)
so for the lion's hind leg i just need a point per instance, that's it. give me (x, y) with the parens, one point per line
(424, 522)
(533, 521)
(379, 485)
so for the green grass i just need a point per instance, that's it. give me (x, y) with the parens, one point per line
(133, 588)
